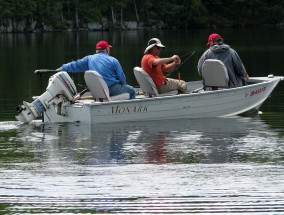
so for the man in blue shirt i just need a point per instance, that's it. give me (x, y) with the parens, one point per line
(108, 66)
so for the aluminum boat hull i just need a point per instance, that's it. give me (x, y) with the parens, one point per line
(203, 104)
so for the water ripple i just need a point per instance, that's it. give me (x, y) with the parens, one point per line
(148, 189)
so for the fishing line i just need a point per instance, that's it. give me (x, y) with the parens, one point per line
(191, 54)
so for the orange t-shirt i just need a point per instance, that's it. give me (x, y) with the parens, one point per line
(155, 72)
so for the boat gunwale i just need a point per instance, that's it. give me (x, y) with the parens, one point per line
(258, 81)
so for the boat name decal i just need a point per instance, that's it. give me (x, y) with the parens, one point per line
(255, 92)
(128, 109)
(186, 107)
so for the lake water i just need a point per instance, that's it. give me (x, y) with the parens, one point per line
(223, 165)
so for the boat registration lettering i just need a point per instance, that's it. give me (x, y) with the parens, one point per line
(128, 109)
(255, 92)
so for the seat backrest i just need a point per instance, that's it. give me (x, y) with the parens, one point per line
(96, 85)
(145, 81)
(214, 74)
(99, 88)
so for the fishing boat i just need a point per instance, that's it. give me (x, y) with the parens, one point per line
(209, 97)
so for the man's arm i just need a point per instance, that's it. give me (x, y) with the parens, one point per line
(80, 65)
(238, 65)
(170, 62)
(119, 73)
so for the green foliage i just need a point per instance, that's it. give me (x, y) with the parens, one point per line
(16, 9)
(173, 13)
(275, 15)
(89, 11)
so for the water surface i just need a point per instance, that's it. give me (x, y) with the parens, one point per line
(229, 165)
(202, 166)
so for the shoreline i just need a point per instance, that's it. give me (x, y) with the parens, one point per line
(128, 26)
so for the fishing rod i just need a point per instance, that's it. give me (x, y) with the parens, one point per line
(186, 54)
(191, 54)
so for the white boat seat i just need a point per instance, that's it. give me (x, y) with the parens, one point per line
(99, 88)
(147, 84)
(214, 74)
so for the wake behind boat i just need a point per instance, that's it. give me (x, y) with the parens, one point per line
(61, 102)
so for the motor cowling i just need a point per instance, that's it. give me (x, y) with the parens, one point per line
(60, 88)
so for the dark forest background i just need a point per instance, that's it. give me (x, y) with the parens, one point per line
(42, 15)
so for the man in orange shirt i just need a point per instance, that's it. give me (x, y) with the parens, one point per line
(155, 66)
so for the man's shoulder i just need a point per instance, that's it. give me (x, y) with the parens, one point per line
(105, 56)
(149, 57)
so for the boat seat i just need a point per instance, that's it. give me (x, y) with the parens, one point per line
(147, 84)
(214, 74)
(99, 88)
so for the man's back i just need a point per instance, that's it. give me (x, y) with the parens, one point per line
(231, 60)
(223, 52)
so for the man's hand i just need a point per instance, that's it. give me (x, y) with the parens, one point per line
(176, 59)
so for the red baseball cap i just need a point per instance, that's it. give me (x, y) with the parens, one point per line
(212, 37)
(101, 45)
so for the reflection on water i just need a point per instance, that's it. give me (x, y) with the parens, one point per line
(222, 165)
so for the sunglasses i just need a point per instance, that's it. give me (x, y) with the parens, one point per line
(158, 47)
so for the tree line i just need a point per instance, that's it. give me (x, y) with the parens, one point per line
(185, 14)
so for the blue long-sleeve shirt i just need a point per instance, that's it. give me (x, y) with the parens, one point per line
(108, 66)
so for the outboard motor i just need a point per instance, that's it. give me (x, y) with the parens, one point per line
(60, 89)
